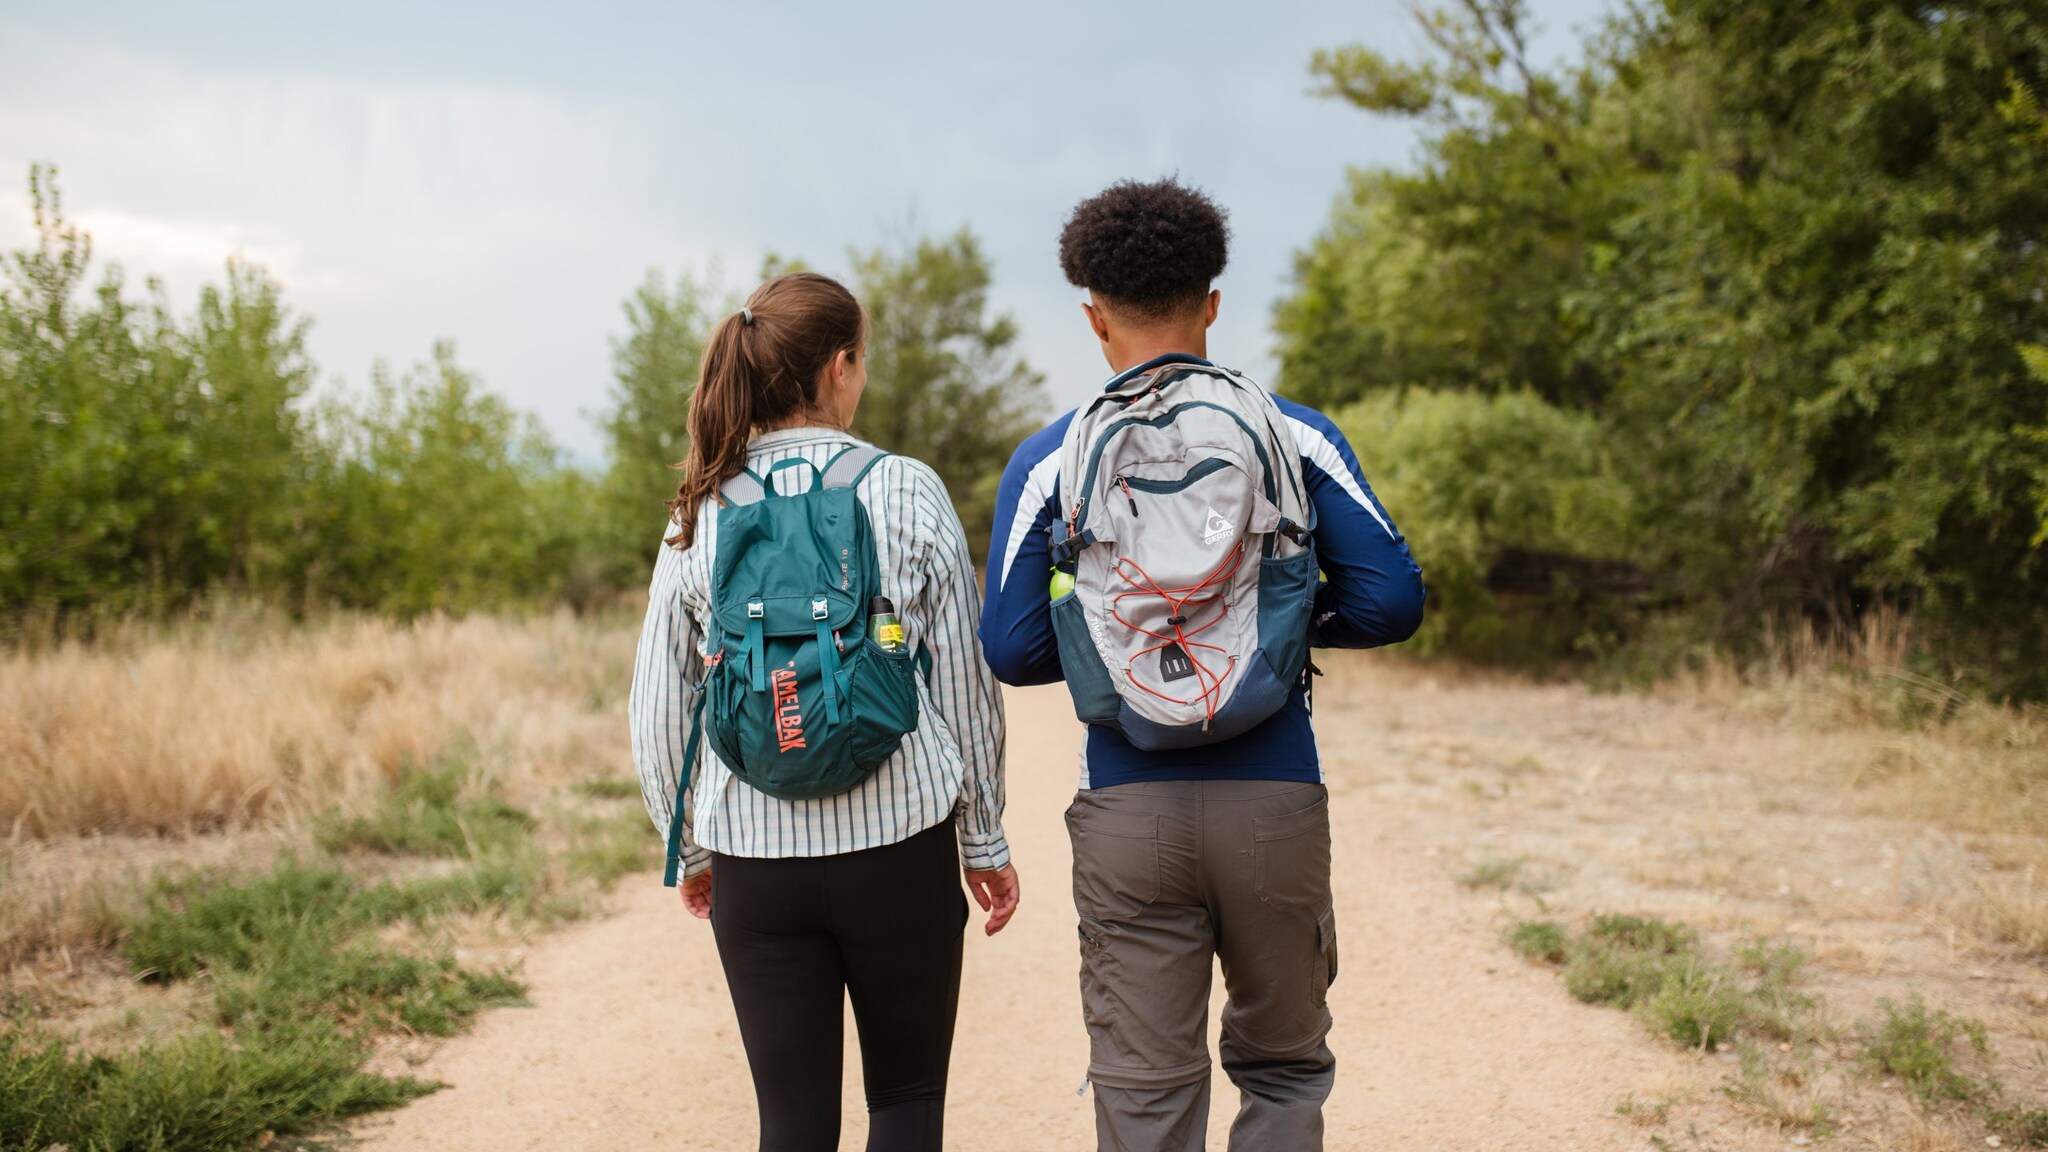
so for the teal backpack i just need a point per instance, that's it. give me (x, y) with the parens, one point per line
(802, 702)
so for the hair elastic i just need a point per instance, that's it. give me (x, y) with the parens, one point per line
(746, 315)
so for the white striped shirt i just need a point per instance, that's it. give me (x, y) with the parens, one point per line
(952, 764)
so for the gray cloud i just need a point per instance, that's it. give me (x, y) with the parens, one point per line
(504, 175)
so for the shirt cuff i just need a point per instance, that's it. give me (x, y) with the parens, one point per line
(983, 851)
(696, 861)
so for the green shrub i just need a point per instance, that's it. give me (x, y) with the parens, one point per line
(1919, 1047)
(1470, 478)
(195, 1093)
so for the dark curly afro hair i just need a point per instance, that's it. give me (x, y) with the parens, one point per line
(1150, 248)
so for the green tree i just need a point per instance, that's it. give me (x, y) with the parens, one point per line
(252, 447)
(149, 460)
(654, 371)
(945, 384)
(438, 497)
(1456, 275)
(1784, 256)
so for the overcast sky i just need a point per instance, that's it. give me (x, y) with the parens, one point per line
(504, 174)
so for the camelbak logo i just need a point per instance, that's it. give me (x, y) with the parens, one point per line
(1216, 529)
(789, 720)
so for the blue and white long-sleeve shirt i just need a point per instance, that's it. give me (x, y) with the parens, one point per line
(952, 764)
(1371, 594)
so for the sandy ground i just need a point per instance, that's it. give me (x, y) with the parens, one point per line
(1443, 1038)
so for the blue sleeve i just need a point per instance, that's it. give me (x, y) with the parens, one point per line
(1372, 589)
(1016, 617)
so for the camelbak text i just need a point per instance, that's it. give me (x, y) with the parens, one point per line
(789, 720)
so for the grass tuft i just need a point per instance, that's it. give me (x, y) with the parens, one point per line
(1493, 872)
(1919, 1047)
(1647, 1113)
(2026, 1127)
(1783, 1094)
(1696, 1004)
(1539, 940)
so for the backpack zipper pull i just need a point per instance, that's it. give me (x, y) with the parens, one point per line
(1126, 486)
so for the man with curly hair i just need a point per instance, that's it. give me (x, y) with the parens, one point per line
(1222, 849)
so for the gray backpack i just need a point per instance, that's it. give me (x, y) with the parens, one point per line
(1185, 531)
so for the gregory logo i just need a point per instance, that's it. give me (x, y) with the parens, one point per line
(1216, 529)
(789, 719)
(1174, 663)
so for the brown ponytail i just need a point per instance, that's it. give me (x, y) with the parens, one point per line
(761, 366)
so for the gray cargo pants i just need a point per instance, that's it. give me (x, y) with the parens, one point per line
(1165, 875)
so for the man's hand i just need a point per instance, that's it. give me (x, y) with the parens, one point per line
(996, 892)
(696, 892)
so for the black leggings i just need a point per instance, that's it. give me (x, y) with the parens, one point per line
(796, 936)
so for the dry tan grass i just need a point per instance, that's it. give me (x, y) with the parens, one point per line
(1908, 746)
(232, 724)
(2014, 909)
(1916, 1133)
(64, 898)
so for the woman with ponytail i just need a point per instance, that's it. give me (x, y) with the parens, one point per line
(855, 895)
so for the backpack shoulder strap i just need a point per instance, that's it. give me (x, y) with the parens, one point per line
(850, 466)
(744, 488)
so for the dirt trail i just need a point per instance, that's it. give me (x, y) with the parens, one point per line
(1443, 1038)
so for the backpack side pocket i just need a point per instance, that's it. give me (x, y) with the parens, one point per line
(882, 687)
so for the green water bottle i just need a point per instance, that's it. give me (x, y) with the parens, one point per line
(1062, 583)
(884, 626)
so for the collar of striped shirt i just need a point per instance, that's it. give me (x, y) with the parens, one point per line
(782, 437)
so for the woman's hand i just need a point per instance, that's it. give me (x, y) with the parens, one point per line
(696, 892)
(996, 892)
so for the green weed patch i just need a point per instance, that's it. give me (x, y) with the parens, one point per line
(1541, 940)
(1493, 872)
(1656, 969)
(1919, 1047)
(431, 813)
